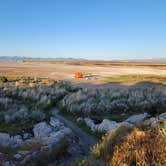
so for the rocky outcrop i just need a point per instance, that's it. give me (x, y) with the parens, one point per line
(162, 116)
(90, 123)
(137, 118)
(10, 141)
(42, 130)
(105, 126)
(49, 138)
(52, 133)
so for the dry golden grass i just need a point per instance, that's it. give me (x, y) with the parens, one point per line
(129, 148)
(141, 149)
(64, 70)
(133, 79)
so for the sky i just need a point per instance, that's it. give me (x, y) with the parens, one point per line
(90, 29)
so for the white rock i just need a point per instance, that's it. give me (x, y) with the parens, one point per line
(154, 124)
(16, 141)
(79, 119)
(162, 116)
(54, 138)
(127, 124)
(27, 135)
(137, 118)
(23, 152)
(107, 125)
(41, 130)
(4, 139)
(56, 123)
(89, 122)
(49, 135)
(8, 163)
(17, 156)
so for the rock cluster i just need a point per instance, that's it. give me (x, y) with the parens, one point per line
(47, 135)
(107, 125)
(10, 141)
(52, 133)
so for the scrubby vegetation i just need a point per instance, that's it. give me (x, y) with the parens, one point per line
(129, 147)
(133, 79)
(26, 101)
(3, 79)
(115, 104)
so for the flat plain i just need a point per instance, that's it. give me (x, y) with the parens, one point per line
(101, 71)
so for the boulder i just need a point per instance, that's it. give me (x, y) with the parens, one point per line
(13, 141)
(107, 125)
(8, 163)
(24, 152)
(79, 119)
(137, 118)
(56, 123)
(27, 136)
(42, 130)
(51, 134)
(17, 156)
(16, 141)
(90, 123)
(4, 139)
(127, 125)
(54, 138)
(162, 116)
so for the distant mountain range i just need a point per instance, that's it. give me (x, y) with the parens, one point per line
(19, 58)
(162, 59)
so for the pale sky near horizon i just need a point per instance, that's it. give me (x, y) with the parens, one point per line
(91, 29)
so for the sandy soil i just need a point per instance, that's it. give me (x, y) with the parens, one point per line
(65, 71)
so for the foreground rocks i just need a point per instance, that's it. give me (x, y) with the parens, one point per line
(49, 140)
(137, 118)
(108, 126)
(10, 141)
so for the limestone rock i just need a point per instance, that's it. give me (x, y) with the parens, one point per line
(79, 119)
(41, 130)
(56, 123)
(137, 118)
(127, 124)
(107, 125)
(8, 163)
(162, 116)
(17, 156)
(16, 141)
(4, 139)
(90, 123)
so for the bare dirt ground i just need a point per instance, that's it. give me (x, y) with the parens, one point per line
(64, 70)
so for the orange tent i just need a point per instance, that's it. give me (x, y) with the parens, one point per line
(78, 75)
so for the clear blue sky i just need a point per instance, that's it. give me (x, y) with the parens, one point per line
(93, 29)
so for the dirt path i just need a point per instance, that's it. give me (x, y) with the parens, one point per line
(85, 140)
(82, 146)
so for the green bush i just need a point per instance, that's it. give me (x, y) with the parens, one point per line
(3, 79)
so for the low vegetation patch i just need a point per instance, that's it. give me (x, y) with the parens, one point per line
(26, 101)
(124, 147)
(133, 79)
(81, 124)
(115, 104)
(3, 79)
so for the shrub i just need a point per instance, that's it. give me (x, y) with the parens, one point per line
(129, 100)
(141, 148)
(3, 79)
(124, 147)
